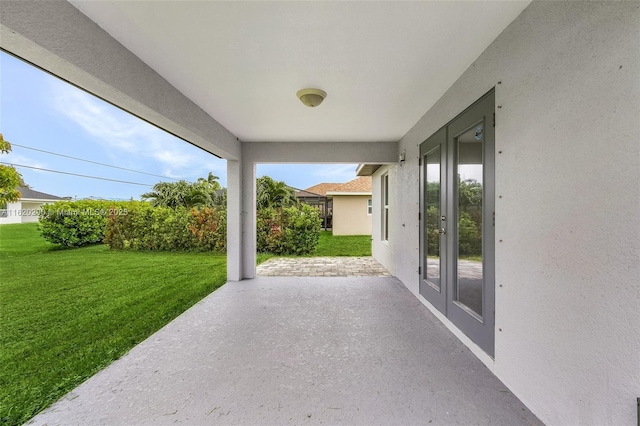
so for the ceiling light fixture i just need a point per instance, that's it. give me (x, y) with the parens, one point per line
(311, 97)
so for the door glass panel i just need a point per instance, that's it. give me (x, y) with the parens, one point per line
(433, 212)
(469, 239)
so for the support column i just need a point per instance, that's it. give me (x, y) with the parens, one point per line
(248, 216)
(234, 220)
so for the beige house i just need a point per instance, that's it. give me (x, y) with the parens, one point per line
(350, 205)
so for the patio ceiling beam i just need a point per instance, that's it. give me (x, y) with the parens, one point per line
(242, 250)
(320, 152)
(56, 37)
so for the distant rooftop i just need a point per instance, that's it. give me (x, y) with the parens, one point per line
(359, 185)
(303, 193)
(30, 194)
(322, 188)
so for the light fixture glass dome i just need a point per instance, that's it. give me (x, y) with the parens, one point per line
(311, 97)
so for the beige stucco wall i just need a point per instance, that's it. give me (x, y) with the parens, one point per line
(350, 215)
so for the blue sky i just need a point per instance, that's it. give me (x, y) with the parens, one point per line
(40, 111)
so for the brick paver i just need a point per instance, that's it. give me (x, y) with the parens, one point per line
(322, 267)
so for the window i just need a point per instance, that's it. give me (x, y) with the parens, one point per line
(385, 207)
(369, 207)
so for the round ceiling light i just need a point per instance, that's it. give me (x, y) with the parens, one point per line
(311, 97)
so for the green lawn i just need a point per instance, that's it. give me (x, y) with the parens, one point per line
(343, 245)
(330, 245)
(66, 314)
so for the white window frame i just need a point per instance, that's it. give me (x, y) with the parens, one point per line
(369, 207)
(385, 207)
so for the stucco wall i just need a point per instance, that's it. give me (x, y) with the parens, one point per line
(23, 211)
(383, 251)
(30, 211)
(12, 213)
(567, 223)
(350, 215)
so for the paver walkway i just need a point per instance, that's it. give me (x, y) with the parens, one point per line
(322, 267)
(297, 351)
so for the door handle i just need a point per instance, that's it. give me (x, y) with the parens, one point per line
(442, 231)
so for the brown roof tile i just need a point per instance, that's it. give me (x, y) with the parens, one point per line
(322, 188)
(359, 184)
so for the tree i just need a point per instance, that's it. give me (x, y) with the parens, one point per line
(271, 193)
(211, 182)
(184, 194)
(211, 186)
(9, 177)
(469, 194)
(24, 184)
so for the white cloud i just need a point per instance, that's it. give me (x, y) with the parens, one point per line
(173, 157)
(336, 172)
(126, 138)
(21, 159)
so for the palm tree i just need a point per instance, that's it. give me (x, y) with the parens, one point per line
(178, 194)
(211, 186)
(271, 193)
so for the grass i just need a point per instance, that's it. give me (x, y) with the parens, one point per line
(330, 246)
(66, 314)
(343, 245)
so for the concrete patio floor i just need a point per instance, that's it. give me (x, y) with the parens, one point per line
(291, 350)
(339, 266)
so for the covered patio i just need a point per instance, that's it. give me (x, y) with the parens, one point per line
(294, 350)
(548, 92)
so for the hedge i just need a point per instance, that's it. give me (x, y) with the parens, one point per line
(288, 230)
(79, 223)
(166, 229)
(135, 225)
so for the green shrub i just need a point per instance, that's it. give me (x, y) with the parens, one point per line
(469, 236)
(150, 228)
(433, 231)
(209, 226)
(288, 230)
(140, 226)
(78, 223)
(166, 229)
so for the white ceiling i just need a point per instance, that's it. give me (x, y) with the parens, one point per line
(383, 64)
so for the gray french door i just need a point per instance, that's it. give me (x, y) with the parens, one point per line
(457, 271)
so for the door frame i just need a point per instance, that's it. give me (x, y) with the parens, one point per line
(480, 329)
(436, 296)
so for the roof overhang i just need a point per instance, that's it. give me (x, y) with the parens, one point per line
(367, 169)
(39, 200)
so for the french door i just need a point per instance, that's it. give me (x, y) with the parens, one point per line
(457, 246)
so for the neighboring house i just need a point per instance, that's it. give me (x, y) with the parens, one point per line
(383, 211)
(323, 188)
(551, 303)
(352, 207)
(348, 205)
(27, 208)
(321, 202)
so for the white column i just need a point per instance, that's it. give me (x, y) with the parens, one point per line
(248, 216)
(234, 221)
